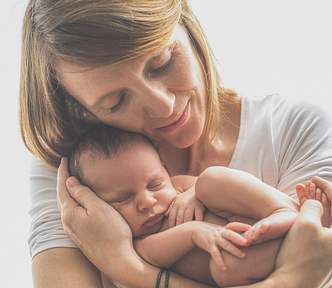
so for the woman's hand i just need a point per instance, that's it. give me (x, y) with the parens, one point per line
(305, 258)
(98, 230)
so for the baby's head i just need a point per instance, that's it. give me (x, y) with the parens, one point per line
(124, 169)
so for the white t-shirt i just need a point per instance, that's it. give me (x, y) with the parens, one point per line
(283, 143)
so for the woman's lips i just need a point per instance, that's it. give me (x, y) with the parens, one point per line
(169, 128)
(154, 220)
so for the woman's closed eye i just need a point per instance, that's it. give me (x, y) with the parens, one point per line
(118, 105)
(163, 68)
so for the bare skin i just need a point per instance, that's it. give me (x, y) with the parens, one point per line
(318, 190)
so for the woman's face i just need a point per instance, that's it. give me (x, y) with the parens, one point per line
(161, 96)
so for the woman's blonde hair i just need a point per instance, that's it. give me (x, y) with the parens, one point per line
(94, 33)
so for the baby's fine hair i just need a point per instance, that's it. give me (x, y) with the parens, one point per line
(101, 141)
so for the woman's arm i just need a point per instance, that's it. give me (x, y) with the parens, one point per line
(64, 267)
(56, 260)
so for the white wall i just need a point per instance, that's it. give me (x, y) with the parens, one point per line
(263, 47)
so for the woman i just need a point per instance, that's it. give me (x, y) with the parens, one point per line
(143, 66)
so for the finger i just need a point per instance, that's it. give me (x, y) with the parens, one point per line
(216, 256)
(300, 191)
(83, 195)
(319, 193)
(238, 226)
(312, 188)
(233, 237)
(307, 190)
(188, 215)
(172, 217)
(179, 217)
(310, 211)
(231, 248)
(63, 197)
(199, 214)
(324, 185)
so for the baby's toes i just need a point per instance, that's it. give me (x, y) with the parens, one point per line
(300, 192)
(307, 190)
(312, 189)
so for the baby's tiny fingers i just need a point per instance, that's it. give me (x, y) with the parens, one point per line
(231, 248)
(172, 217)
(238, 226)
(179, 217)
(188, 215)
(233, 237)
(216, 256)
(199, 214)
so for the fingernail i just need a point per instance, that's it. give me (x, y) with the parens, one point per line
(72, 181)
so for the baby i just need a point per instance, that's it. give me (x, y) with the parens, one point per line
(125, 170)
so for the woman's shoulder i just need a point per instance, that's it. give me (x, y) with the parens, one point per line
(285, 109)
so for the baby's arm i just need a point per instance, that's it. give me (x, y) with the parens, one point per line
(165, 248)
(224, 190)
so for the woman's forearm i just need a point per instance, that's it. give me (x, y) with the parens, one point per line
(66, 268)
(139, 274)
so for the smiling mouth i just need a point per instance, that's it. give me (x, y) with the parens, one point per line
(169, 128)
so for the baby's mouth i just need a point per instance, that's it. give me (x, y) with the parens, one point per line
(169, 209)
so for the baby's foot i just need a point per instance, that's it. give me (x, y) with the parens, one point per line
(314, 191)
(274, 226)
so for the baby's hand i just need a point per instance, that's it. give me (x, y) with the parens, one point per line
(186, 208)
(211, 238)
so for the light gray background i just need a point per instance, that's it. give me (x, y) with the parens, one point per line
(263, 47)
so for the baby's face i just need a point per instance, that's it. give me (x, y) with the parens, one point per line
(136, 184)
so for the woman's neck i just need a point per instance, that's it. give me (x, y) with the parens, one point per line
(195, 159)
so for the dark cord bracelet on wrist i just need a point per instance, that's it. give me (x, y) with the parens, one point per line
(159, 277)
(166, 279)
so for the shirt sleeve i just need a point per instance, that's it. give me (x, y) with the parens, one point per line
(46, 229)
(303, 142)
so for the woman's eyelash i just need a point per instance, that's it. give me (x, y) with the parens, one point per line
(117, 106)
(164, 67)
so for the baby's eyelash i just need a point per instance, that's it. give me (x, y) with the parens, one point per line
(117, 106)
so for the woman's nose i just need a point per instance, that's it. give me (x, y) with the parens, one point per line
(146, 201)
(158, 101)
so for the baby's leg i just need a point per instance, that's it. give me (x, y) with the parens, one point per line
(224, 190)
(256, 266)
(273, 226)
(317, 190)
